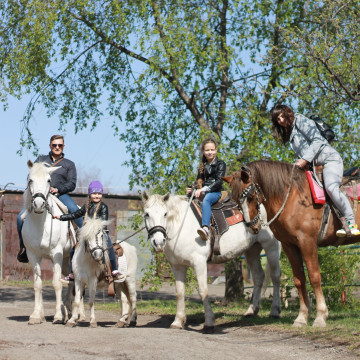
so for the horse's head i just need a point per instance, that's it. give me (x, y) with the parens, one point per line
(93, 235)
(248, 195)
(38, 186)
(155, 213)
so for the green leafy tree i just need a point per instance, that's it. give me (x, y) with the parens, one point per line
(174, 72)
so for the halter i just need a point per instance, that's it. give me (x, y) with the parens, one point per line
(97, 247)
(155, 229)
(42, 196)
(246, 193)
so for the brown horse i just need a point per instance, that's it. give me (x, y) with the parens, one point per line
(294, 219)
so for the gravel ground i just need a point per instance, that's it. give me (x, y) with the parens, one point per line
(151, 339)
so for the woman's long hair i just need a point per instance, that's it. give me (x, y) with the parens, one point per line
(282, 132)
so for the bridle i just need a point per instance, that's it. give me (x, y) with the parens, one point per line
(42, 196)
(155, 229)
(254, 186)
(97, 246)
(245, 194)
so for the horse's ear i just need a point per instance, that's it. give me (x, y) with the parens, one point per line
(30, 164)
(145, 196)
(52, 169)
(227, 179)
(166, 197)
(245, 176)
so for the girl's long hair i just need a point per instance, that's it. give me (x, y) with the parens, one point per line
(203, 159)
(282, 132)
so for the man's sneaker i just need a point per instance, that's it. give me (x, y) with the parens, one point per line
(353, 229)
(203, 233)
(117, 276)
(67, 279)
(22, 256)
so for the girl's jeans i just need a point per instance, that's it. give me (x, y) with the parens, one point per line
(210, 199)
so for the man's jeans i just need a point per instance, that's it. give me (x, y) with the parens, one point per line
(72, 207)
(210, 199)
(66, 200)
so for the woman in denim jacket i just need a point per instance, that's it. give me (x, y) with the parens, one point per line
(311, 147)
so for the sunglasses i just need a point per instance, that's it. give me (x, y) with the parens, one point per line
(60, 146)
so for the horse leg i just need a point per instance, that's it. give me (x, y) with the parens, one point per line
(180, 278)
(59, 317)
(200, 268)
(252, 256)
(125, 306)
(79, 288)
(272, 249)
(312, 264)
(92, 293)
(37, 317)
(294, 255)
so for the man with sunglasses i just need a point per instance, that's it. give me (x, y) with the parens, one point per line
(63, 181)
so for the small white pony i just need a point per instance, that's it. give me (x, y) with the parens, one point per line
(88, 269)
(183, 247)
(44, 237)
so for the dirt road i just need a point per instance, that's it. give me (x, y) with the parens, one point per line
(151, 339)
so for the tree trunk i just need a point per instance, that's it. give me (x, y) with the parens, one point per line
(234, 287)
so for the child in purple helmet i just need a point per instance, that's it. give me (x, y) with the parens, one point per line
(94, 208)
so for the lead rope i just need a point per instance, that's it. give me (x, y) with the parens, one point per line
(287, 195)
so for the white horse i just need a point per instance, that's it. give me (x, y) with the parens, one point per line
(88, 269)
(164, 216)
(44, 237)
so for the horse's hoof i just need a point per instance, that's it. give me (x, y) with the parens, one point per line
(121, 324)
(274, 316)
(93, 325)
(208, 329)
(58, 321)
(35, 321)
(176, 327)
(319, 323)
(70, 324)
(299, 324)
(132, 323)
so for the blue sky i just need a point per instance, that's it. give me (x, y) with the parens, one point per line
(98, 152)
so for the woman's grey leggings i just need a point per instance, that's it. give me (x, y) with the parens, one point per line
(332, 175)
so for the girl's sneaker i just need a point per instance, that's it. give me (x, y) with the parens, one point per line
(117, 276)
(353, 229)
(203, 233)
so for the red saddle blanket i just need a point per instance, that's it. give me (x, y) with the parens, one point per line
(317, 192)
(350, 192)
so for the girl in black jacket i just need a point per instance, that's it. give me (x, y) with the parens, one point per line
(211, 170)
(94, 208)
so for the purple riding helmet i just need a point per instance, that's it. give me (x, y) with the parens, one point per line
(95, 187)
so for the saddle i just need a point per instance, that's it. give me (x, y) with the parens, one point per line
(224, 213)
(350, 187)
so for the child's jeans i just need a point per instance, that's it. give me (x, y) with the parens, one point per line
(210, 199)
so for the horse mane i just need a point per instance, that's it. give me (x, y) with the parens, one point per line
(274, 177)
(91, 228)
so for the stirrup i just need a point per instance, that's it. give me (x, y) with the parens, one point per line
(22, 255)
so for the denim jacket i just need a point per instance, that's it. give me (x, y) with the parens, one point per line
(308, 143)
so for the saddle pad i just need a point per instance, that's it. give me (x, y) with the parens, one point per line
(350, 191)
(235, 219)
(122, 267)
(317, 192)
